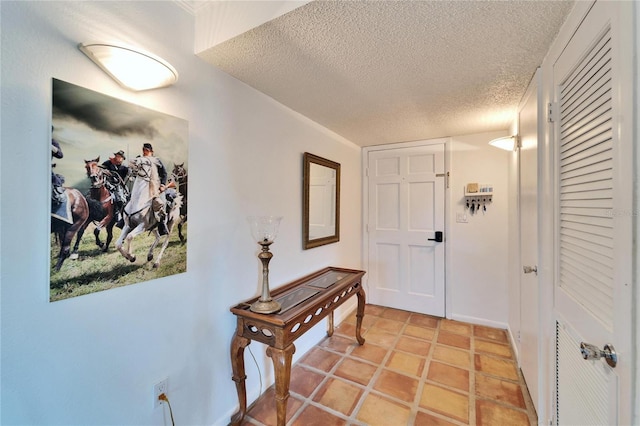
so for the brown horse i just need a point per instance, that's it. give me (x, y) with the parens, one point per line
(64, 230)
(180, 177)
(101, 204)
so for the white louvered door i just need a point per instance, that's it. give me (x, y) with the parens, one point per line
(594, 162)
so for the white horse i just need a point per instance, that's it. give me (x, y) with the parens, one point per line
(138, 213)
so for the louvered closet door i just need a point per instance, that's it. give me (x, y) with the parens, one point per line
(593, 283)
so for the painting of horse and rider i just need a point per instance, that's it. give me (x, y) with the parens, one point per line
(118, 172)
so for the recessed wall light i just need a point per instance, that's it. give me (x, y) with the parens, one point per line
(508, 143)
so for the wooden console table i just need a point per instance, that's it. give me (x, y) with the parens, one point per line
(304, 302)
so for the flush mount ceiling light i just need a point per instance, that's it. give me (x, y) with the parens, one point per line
(132, 68)
(508, 143)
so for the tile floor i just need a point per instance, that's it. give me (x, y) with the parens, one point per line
(412, 370)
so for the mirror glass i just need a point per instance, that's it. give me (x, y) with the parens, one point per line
(321, 201)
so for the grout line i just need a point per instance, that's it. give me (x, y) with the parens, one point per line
(425, 372)
(473, 415)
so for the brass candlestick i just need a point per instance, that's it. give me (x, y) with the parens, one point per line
(264, 230)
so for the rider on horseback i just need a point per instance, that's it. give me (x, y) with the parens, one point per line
(57, 180)
(116, 182)
(167, 191)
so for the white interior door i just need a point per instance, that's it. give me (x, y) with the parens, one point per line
(406, 194)
(593, 115)
(529, 353)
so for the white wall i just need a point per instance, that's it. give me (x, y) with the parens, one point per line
(477, 251)
(94, 359)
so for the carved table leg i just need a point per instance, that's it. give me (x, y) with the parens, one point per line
(330, 324)
(237, 362)
(360, 314)
(282, 365)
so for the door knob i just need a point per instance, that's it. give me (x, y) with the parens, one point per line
(590, 351)
(530, 269)
(438, 238)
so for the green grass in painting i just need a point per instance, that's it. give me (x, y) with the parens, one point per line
(97, 271)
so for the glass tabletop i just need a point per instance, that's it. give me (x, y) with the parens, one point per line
(294, 298)
(327, 279)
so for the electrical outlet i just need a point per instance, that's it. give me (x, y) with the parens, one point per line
(160, 388)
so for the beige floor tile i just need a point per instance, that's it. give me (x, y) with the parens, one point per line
(490, 414)
(406, 363)
(379, 411)
(395, 314)
(456, 327)
(379, 337)
(397, 385)
(370, 352)
(320, 359)
(424, 320)
(455, 356)
(390, 326)
(304, 381)
(496, 366)
(456, 340)
(493, 348)
(414, 346)
(499, 390)
(314, 416)
(419, 332)
(367, 322)
(373, 310)
(339, 343)
(346, 329)
(450, 376)
(356, 371)
(339, 395)
(490, 333)
(426, 419)
(446, 402)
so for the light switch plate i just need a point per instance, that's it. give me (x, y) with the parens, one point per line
(461, 218)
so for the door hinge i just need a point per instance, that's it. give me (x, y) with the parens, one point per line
(552, 112)
(518, 337)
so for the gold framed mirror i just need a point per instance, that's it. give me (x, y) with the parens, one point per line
(321, 201)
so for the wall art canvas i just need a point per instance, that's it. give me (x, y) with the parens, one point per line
(119, 175)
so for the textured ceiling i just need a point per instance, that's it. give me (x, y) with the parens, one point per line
(394, 71)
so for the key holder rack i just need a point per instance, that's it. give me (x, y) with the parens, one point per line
(477, 197)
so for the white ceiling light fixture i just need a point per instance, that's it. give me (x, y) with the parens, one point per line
(131, 67)
(508, 143)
